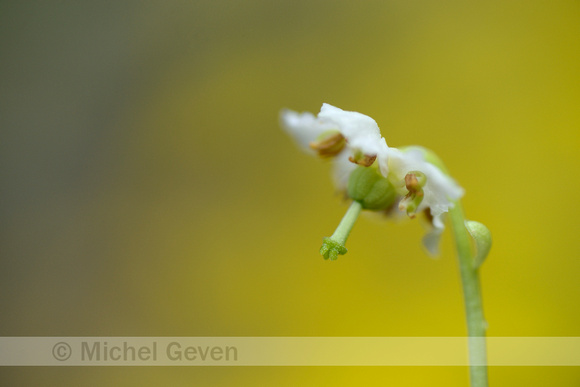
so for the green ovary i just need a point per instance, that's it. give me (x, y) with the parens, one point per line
(368, 187)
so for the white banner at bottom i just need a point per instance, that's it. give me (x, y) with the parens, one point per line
(284, 351)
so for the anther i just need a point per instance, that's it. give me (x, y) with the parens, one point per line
(329, 144)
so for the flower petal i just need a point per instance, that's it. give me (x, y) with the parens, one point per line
(341, 170)
(361, 132)
(432, 238)
(303, 127)
(440, 189)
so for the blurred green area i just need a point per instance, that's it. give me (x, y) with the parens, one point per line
(147, 189)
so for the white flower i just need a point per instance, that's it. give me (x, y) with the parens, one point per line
(353, 138)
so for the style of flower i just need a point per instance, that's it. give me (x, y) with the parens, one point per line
(353, 140)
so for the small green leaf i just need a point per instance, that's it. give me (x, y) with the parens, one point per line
(482, 238)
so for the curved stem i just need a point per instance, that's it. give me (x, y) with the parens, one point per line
(476, 324)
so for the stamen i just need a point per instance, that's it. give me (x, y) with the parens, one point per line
(329, 144)
(363, 160)
(414, 182)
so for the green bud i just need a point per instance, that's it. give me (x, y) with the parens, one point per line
(368, 187)
(482, 238)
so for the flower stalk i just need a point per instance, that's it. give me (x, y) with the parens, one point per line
(476, 325)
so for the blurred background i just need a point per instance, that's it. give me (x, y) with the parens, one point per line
(147, 189)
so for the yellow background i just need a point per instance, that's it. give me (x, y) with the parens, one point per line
(147, 189)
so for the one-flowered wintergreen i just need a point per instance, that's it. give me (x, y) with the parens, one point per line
(411, 181)
(354, 140)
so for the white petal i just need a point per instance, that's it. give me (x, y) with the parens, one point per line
(432, 238)
(303, 127)
(341, 170)
(361, 132)
(400, 163)
(368, 145)
(383, 157)
(440, 189)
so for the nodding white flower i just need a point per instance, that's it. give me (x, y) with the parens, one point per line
(353, 139)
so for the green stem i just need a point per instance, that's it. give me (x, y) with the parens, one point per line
(347, 223)
(476, 324)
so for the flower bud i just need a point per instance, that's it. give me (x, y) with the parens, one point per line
(482, 239)
(368, 187)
